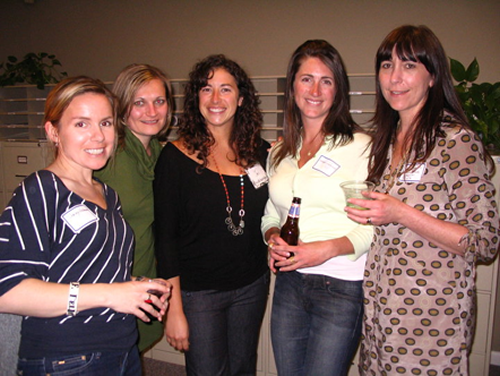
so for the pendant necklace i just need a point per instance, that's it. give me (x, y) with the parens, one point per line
(309, 153)
(235, 230)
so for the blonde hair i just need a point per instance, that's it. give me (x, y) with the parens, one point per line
(131, 79)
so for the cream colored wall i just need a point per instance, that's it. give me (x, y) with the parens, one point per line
(99, 37)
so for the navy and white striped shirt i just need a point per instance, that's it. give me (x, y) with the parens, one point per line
(50, 233)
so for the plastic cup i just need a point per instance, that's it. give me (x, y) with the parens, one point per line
(353, 189)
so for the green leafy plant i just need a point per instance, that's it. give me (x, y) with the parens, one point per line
(35, 69)
(481, 102)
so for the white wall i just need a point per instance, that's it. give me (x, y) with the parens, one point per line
(99, 37)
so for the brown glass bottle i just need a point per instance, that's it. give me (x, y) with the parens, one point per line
(290, 230)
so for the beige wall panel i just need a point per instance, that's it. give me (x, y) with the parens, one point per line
(100, 37)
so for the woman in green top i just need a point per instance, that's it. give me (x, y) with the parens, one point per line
(144, 112)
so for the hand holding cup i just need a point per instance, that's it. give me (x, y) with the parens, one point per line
(354, 189)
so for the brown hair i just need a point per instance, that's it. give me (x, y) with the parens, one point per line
(417, 44)
(245, 137)
(338, 122)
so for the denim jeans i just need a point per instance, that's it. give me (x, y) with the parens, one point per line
(315, 324)
(91, 364)
(224, 329)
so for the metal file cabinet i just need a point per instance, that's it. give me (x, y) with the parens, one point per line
(18, 160)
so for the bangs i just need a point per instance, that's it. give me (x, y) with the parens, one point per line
(409, 44)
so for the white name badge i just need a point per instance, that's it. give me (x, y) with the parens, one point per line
(415, 175)
(79, 217)
(326, 166)
(257, 175)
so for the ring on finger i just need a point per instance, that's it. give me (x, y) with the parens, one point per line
(271, 246)
(368, 221)
(292, 259)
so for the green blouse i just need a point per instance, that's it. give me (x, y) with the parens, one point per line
(131, 174)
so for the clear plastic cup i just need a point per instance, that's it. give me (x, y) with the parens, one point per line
(353, 189)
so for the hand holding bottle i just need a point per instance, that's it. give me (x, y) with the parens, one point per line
(289, 234)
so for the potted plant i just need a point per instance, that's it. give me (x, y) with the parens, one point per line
(35, 69)
(481, 102)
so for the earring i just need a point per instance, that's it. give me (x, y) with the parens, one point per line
(56, 144)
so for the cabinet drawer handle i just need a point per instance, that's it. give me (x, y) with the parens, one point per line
(21, 176)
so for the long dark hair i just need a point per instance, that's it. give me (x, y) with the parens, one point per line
(245, 136)
(417, 44)
(338, 122)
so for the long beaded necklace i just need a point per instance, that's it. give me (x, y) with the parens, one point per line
(235, 230)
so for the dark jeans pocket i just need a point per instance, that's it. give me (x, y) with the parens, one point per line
(70, 364)
(58, 366)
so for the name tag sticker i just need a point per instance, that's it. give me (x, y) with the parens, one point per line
(415, 175)
(326, 166)
(257, 175)
(79, 217)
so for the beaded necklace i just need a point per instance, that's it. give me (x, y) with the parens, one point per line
(235, 230)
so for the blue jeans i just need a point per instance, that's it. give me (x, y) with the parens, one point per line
(91, 364)
(315, 324)
(224, 329)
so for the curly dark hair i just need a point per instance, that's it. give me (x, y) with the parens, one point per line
(338, 122)
(245, 136)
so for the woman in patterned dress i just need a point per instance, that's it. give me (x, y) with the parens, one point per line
(434, 215)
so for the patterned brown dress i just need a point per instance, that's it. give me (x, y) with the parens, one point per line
(420, 299)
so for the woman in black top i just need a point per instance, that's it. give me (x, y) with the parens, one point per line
(209, 192)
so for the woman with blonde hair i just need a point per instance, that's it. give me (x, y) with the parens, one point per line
(145, 106)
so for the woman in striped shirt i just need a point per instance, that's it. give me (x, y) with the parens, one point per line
(66, 251)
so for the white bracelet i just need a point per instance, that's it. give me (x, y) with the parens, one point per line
(74, 290)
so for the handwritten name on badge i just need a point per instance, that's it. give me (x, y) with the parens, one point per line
(79, 217)
(326, 166)
(257, 175)
(415, 175)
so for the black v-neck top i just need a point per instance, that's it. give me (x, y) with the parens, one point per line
(192, 239)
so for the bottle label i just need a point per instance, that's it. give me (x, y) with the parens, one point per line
(294, 211)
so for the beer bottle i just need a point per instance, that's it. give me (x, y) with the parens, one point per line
(290, 230)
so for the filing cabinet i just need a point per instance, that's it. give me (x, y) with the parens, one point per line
(18, 160)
